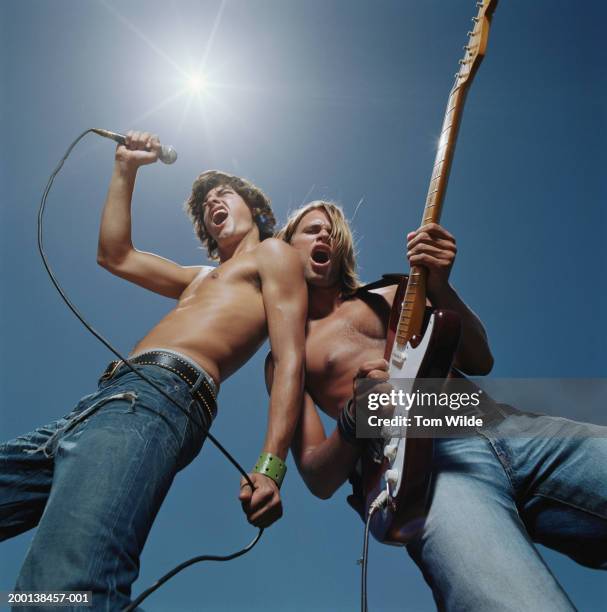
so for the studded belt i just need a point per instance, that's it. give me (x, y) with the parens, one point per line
(169, 361)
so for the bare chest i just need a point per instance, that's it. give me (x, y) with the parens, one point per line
(336, 344)
(236, 279)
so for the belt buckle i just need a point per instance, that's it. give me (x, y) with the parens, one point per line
(109, 373)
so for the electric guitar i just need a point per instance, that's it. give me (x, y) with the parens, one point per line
(421, 343)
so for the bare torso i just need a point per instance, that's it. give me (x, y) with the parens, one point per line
(337, 344)
(219, 320)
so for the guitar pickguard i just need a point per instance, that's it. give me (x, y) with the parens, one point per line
(405, 363)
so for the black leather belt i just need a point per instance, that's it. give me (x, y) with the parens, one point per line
(186, 371)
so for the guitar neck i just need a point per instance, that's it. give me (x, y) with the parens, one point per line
(444, 157)
(412, 313)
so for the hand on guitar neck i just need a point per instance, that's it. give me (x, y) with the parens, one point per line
(434, 248)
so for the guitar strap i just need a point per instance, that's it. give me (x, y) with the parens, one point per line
(385, 281)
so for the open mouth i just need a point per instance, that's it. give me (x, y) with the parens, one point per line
(219, 216)
(321, 254)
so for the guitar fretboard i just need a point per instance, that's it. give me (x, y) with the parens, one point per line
(444, 156)
(412, 314)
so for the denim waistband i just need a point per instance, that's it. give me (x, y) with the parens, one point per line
(199, 370)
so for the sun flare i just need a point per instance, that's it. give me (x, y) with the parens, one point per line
(196, 83)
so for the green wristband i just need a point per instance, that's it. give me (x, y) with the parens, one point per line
(271, 466)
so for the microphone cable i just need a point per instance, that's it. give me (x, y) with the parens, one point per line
(125, 361)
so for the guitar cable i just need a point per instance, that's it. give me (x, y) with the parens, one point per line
(109, 346)
(379, 502)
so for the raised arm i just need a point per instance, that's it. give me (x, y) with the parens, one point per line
(115, 251)
(434, 247)
(285, 298)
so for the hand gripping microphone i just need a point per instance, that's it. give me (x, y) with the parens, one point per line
(167, 154)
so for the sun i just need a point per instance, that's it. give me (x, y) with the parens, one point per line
(191, 83)
(196, 83)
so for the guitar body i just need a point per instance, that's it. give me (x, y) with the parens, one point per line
(429, 356)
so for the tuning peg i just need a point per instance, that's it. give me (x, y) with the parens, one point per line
(466, 47)
(469, 32)
(475, 19)
(479, 4)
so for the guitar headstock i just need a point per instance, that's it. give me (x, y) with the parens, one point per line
(477, 43)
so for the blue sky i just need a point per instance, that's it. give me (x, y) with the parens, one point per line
(307, 99)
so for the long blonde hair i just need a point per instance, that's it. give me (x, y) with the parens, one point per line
(342, 240)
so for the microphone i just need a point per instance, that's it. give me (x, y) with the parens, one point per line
(167, 154)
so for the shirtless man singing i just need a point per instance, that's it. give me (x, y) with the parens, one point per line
(94, 480)
(493, 494)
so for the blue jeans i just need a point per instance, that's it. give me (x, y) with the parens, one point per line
(93, 482)
(518, 482)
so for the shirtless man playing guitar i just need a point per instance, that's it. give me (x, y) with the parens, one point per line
(347, 330)
(94, 480)
(472, 501)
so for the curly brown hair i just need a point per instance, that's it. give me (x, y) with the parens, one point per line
(255, 198)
